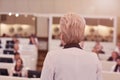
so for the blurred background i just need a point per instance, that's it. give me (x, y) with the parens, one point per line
(40, 18)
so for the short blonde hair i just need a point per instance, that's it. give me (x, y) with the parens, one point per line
(72, 28)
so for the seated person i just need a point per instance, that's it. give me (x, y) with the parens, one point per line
(116, 67)
(12, 42)
(33, 41)
(18, 69)
(16, 56)
(16, 46)
(4, 72)
(98, 48)
(15, 40)
(113, 57)
(5, 35)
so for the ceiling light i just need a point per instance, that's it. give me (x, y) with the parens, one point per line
(9, 13)
(16, 14)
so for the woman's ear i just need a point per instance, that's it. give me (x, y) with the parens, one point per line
(81, 44)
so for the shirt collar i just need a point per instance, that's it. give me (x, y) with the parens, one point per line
(76, 45)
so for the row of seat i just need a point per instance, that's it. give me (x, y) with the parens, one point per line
(27, 52)
(103, 57)
(16, 78)
(110, 75)
(107, 65)
(21, 40)
(30, 73)
(106, 76)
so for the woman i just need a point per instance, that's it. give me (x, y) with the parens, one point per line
(113, 57)
(71, 62)
(16, 56)
(98, 48)
(16, 45)
(33, 41)
(116, 67)
(18, 69)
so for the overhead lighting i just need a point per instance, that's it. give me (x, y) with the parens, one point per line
(16, 14)
(9, 13)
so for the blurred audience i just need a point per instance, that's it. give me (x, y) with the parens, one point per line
(113, 56)
(16, 44)
(18, 69)
(117, 49)
(33, 40)
(98, 48)
(15, 40)
(116, 67)
(5, 35)
(16, 56)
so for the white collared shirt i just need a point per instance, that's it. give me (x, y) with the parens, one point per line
(71, 64)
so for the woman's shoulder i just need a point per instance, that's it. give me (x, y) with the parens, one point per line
(55, 51)
(91, 54)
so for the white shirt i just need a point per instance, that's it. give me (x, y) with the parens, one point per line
(71, 64)
(23, 71)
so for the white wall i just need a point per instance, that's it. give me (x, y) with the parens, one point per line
(42, 26)
(84, 7)
(91, 7)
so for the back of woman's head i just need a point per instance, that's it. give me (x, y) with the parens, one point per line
(72, 28)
